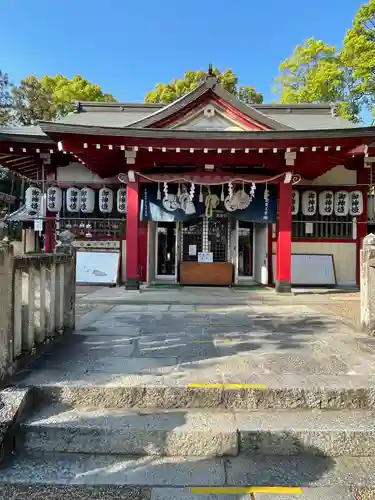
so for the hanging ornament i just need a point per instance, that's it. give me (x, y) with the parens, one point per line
(170, 203)
(309, 202)
(201, 194)
(341, 203)
(33, 199)
(105, 200)
(356, 203)
(158, 194)
(230, 189)
(252, 191)
(54, 199)
(145, 204)
(186, 205)
(326, 203)
(165, 189)
(243, 199)
(222, 197)
(87, 200)
(211, 202)
(192, 191)
(266, 202)
(121, 200)
(73, 199)
(295, 202)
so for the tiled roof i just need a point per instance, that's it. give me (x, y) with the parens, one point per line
(23, 130)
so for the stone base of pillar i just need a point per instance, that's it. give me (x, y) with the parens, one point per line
(132, 284)
(283, 287)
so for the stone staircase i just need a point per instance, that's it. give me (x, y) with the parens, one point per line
(164, 443)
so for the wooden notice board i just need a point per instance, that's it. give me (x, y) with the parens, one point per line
(206, 273)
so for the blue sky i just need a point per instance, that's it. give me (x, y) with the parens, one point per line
(127, 47)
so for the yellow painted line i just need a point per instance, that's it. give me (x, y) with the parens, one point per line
(229, 386)
(249, 489)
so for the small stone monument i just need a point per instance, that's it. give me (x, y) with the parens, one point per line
(65, 243)
(368, 284)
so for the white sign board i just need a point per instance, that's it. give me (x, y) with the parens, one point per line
(205, 257)
(311, 269)
(192, 250)
(97, 267)
(38, 225)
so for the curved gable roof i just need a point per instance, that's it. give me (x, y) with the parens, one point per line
(209, 87)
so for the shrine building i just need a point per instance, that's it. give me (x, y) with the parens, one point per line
(204, 191)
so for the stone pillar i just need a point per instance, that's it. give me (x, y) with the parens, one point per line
(65, 246)
(132, 230)
(284, 239)
(29, 240)
(368, 284)
(6, 310)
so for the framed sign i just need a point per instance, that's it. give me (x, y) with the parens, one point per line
(205, 257)
(192, 250)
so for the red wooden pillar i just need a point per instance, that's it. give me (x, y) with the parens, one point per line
(284, 239)
(132, 229)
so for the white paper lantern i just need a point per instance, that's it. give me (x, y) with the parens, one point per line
(54, 199)
(356, 203)
(121, 200)
(87, 200)
(73, 200)
(341, 203)
(33, 199)
(326, 203)
(309, 202)
(105, 200)
(295, 201)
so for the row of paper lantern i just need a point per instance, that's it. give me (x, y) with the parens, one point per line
(327, 202)
(77, 200)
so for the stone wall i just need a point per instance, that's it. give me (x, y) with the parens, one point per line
(37, 304)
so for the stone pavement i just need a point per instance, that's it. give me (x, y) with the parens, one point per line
(270, 340)
(169, 396)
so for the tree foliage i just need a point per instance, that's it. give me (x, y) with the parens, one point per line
(169, 92)
(51, 97)
(358, 56)
(5, 100)
(319, 73)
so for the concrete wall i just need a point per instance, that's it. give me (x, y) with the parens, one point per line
(78, 173)
(37, 304)
(344, 256)
(335, 177)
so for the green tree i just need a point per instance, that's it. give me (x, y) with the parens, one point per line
(169, 92)
(314, 73)
(318, 73)
(358, 56)
(5, 100)
(51, 97)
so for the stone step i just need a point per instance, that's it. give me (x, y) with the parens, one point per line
(331, 393)
(178, 478)
(194, 432)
